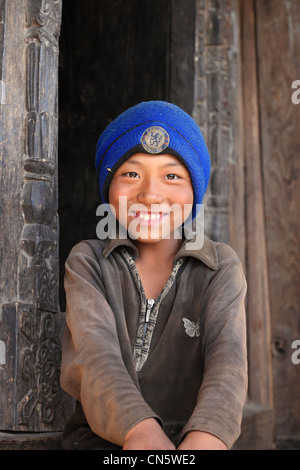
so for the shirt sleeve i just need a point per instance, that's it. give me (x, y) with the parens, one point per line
(223, 391)
(93, 369)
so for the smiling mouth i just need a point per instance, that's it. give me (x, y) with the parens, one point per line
(149, 217)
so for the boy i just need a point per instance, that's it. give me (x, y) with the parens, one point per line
(154, 350)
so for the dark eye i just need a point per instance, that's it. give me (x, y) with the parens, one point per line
(132, 174)
(171, 176)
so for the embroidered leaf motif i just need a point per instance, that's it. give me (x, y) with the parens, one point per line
(192, 329)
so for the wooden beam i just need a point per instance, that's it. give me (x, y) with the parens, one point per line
(278, 51)
(258, 305)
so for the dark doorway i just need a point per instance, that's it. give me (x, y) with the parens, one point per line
(113, 54)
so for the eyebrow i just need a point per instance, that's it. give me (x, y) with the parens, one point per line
(173, 164)
(133, 162)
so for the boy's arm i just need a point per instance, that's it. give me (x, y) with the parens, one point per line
(199, 440)
(93, 369)
(147, 435)
(222, 394)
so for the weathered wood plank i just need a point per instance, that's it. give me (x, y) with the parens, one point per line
(279, 65)
(30, 441)
(257, 428)
(258, 308)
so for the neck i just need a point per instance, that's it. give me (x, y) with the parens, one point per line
(162, 251)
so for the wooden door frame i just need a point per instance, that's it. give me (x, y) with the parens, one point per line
(258, 299)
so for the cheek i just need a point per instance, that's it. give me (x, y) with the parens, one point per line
(119, 197)
(113, 197)
(114, 192)
(185, 199)
(185, 195)
(182, 200)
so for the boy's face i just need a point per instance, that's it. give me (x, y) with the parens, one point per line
(152, 196)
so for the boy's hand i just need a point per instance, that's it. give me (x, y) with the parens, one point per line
(147, 435)
(199, 440)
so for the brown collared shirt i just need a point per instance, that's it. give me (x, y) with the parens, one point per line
(186, 366)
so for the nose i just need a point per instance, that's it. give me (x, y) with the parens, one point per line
(150, 192)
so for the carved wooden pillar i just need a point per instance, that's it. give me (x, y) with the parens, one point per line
(205, 80)
(217, 109)
(30, 322)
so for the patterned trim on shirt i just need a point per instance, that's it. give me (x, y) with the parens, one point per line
(142, 344)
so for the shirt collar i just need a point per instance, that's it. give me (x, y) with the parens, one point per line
(205, 251)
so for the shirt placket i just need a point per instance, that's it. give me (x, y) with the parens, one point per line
(148, 311)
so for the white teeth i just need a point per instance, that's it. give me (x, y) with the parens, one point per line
(147, 216)
(150, 216)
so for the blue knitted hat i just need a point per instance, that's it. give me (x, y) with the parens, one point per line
(153, 127)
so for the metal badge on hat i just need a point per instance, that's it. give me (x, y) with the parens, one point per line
(155, 139)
